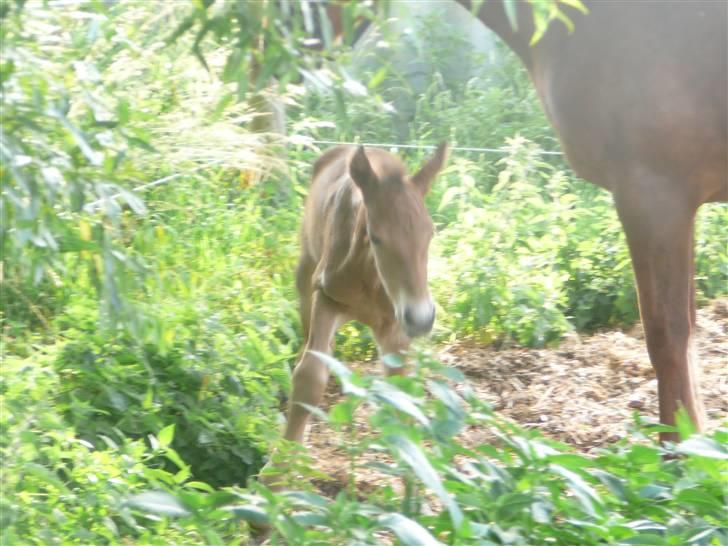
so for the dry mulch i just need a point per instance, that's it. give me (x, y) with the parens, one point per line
(583, 392)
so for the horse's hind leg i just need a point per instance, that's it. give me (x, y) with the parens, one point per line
(659, 222)
(311, 374)
(304, 274)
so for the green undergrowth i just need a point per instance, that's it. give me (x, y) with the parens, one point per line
(515, 488)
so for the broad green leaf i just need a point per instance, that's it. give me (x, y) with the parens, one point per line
(202, 486)
(418, 462)
(700, 501)
(586, 494)
(513, 504)
(341, 372)
(447, 396)
(645, 540)
(408, 531)
(612, 482)
(158, 502)
(306, 498)
(685, 426)
(398, 399)
(46, 475)
(393, 360)
(701, 446)
(310, 518)
(250, 513)
(166, 435)
(343, 412)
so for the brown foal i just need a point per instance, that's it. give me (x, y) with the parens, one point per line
(364, 245)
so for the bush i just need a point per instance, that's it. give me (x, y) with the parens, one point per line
(216, 404)
(59, 488)
(518, 488)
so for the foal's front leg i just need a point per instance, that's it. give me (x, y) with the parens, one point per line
(309, 378)
(311, 374)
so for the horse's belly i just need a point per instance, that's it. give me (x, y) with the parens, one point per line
(627, 92)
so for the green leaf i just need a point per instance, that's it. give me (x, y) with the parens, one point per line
(685, 425)
(309, 519)
(393, 360)
(451, 193)
(398, 399)
(158, 502)
(645, 540)
(654, 491)
(576, 4)
(447, 396)
(378, 77)
(45, 475)
(511, 10)
(250, 513)
(92, 155)
(341, 372)
(640, 454)
(408, 531)
(202, 486)
(612, 482)
(513, 504)
(306, 498)
(701, 446)
(570, 460)
(541, 512)
(411, 454)
(166, 435)
(343, 412)
(700, 498)
(587, 496)
(218, 499)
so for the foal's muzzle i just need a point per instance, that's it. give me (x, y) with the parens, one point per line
(418, 319)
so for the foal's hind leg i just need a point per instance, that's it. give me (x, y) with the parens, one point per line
(659, 220)
(311, 374)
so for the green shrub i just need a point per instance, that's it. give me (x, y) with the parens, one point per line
(58, 488)
(517, 488)
(203, 383)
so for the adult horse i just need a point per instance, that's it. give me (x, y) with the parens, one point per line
(638, 95)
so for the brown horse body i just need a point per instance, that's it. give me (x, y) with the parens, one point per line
(364, 244)
(638, 95)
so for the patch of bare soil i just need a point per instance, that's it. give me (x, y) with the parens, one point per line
(583, 392)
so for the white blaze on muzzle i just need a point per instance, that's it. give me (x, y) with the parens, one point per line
(416, 317)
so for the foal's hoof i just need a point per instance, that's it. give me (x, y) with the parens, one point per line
(259, 534)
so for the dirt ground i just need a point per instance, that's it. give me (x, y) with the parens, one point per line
(582, 392)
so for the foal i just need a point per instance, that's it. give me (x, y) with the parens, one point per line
(364, 244)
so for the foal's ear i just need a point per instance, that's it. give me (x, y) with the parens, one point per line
(361, 171)
(427, 173)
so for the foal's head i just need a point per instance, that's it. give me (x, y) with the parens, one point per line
(399, 230)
